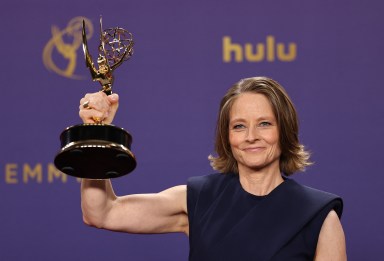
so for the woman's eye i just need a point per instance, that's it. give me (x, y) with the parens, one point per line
(265, 124)
(238, 126)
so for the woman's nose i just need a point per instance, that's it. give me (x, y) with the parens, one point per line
(252, 134)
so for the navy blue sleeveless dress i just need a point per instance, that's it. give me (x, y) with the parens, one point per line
(228, 223)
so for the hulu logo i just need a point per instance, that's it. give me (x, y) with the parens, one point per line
(269, 51)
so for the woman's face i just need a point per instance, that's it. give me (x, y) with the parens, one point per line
(254, 134)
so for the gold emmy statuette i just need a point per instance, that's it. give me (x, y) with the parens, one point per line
(99, 151)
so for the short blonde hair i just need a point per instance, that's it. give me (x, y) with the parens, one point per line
(293, 156)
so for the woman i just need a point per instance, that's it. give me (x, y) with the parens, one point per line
(250, 211)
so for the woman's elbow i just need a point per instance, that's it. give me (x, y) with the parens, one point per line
(93, 222)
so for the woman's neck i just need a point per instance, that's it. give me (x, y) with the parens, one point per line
(260, 183)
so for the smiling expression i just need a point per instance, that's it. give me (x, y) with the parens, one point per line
(254, 133)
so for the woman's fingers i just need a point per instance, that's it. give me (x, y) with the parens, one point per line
(97, 107)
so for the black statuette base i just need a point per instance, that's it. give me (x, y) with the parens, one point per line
(95, 151)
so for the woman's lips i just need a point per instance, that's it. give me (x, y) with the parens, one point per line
(253, 149)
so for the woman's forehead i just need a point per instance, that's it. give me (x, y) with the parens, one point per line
(251, 104)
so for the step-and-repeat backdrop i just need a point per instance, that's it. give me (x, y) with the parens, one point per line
(327, 54)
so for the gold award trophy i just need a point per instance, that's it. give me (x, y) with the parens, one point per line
(97, 150)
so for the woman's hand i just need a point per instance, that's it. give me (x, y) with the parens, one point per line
(98, 107)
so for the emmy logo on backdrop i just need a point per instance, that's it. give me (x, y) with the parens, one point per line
(98, 150)
(60, 53)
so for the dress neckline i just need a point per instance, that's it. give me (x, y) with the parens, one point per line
(257, 197)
